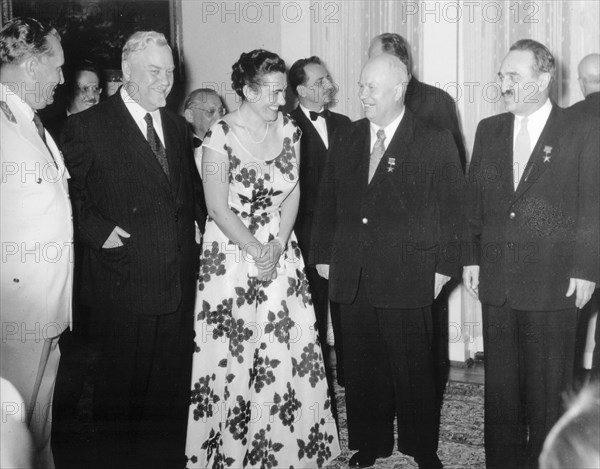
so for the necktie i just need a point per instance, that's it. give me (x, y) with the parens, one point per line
(378, 151)
(522, 152)
(197, 142)
(40, 130)
(156, 145)
(315, 115)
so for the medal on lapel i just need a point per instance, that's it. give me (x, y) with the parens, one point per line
(391, 165)
(547, 151)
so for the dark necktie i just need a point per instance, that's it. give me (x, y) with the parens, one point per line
(197, 142)
(315, 115)
(156, 145)
(40, 130)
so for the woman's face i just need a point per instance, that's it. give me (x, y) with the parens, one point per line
(267, 96)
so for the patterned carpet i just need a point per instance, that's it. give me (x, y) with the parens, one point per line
(461, 432)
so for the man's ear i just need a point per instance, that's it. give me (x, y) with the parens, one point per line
(189, 116)
(399, 92)
(31, 66)
(545, 80)
(301, 90)
(126, 69)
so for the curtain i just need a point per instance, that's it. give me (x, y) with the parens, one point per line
(342, 36)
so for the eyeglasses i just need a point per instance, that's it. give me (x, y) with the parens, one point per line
(90, 89)
(212, 111)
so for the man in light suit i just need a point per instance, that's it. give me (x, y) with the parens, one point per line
(36, 225)
(313, 85)
(133, 197)
(386, 232)
(534, 224)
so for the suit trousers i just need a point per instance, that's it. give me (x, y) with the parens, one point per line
(141, 390)
(389, 374)
(528, 365)
(319, 290)
(30, 358)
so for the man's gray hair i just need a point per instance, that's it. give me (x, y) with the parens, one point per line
(139, 41)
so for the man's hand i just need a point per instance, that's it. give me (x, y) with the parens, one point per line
(583, 290)
(471, 280)
(440, 281)
(323, 270)
(114, 239)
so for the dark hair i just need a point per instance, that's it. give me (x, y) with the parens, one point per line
(251, 66)
(297, 74)
(72, 73)
(21, 38)
(544, 60)
(394, 44)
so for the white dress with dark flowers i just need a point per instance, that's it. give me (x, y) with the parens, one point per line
(259, 394)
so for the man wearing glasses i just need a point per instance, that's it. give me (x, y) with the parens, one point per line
(82, 91)
(202, 108)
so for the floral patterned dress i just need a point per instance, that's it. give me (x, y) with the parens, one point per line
(259, 396)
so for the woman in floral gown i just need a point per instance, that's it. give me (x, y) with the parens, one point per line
(259, 395)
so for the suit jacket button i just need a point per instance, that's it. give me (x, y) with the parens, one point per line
(512, 215)
(365, 221)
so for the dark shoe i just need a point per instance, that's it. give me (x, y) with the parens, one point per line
(429, 462)
(385, 454)
(362, 459)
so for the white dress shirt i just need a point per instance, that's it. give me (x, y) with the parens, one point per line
(389, 130)
(535, 125)
(319, 124)
(138, 113)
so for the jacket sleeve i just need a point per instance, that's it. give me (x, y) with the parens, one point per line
(450, 194)
(93, 228)
(323, 229)
(587, 236)
(471, 245)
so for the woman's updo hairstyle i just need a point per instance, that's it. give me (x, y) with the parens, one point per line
(252, 66)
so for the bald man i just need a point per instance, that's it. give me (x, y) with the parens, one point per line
(589, 81)
(383, 234)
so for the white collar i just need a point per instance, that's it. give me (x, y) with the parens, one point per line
(14, 101)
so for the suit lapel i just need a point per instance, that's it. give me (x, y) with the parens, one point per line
(396, 151)
(503, 148)
(306, 124)
(538, 162)
(135, 142)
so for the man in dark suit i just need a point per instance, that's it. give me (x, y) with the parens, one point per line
(133, 197)
(385, 234)
(313, 85)
(534, 221)
(437, 109)
(589, 81)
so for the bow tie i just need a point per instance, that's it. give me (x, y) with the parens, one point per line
(315, 115)
(197, 142)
